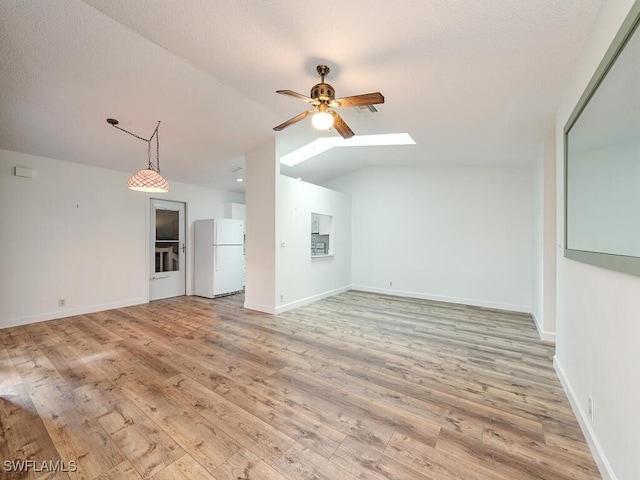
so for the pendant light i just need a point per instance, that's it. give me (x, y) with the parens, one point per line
(149, 179)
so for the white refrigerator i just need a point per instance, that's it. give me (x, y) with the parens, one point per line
(218, 257)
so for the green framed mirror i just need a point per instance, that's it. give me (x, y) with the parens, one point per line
(602, 160)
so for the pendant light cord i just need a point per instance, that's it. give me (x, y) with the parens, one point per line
(155, 167)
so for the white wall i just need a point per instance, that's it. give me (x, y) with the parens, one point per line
(280, 272)
(537, 273)
(261, 186)
(76, 232)
(544, 243)
(459, 234)
(598, 320)
(302, 279)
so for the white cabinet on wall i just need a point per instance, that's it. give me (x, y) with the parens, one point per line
(235, 210)
(321, 224)
(325, 224)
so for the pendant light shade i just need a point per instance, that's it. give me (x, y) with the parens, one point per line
(149, 181)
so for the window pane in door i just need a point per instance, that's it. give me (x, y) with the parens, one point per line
(167, 225)
(167, 257)
(167, 246)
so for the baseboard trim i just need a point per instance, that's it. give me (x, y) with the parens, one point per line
(313, 298)
(260, 308)
(274, 310)
(583, 420)
(69, 312)
(547, 337)
(442, 298)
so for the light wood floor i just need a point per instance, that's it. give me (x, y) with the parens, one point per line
(357, 386)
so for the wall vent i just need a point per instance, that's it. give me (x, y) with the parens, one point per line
(367, 109)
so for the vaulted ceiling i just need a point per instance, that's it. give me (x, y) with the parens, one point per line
(473, 82)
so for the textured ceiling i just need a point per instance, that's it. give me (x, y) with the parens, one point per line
(473, 82)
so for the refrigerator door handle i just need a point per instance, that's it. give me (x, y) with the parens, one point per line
(215, 257)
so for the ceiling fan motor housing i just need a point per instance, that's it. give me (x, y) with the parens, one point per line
(323, 92)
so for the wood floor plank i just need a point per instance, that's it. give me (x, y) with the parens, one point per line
(364, 462)
(65, 330)
(563, 443)
(8, 373)
(185, 468)
(109, 363)
(43, 335)
(206, 443)
(392, 398)
(29, 361)
(23, 436)
(145, 363)
(71, 365)
(490, 459)
(216, 373)
(147, 447)
(246, 429)
(426, 459)
(298, 426)
(448, 401)
(122, 471)
(305, 397)
(357, 385)
(563, 463)
(422, 426)
(301, 463)
(77, 437)
(92, 328)
(244, 465)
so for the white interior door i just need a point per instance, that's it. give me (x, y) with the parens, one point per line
(167, 235)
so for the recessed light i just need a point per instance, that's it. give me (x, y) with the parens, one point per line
(323, 144)
(239, 180)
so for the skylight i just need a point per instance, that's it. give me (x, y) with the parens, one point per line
(324, 144)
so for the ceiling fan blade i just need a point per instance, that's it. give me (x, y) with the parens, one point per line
(297, 95)
(361, 100)
(293, 120)
(341, 127)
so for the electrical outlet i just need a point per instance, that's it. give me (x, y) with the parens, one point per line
(62, 302)
(590, 400)
(391, 284)
(281, 297)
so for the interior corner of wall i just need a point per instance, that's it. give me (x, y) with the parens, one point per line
(545, 335)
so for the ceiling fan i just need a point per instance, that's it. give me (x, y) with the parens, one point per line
(323, 100)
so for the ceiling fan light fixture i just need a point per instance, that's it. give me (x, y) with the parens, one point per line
(322, 98)
(148, 181)
(322, 120)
